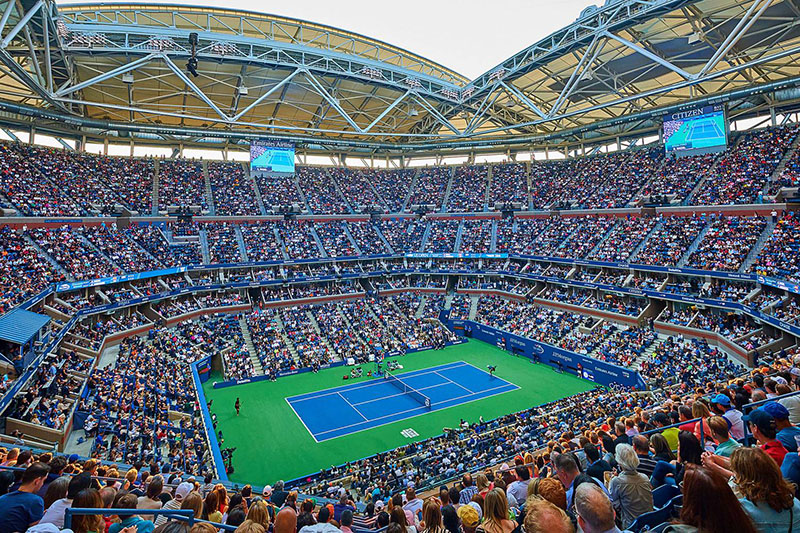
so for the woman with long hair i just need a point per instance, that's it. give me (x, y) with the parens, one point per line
(689, 452)
(211, 510)
(194, 502)
(709, 504)
(700, 410)
(482, 484)
(450, 519)
(259, 513)
(660, 447)
(495, 514)
(767, 497)
(398, 516)
(88, 523)
(432, 517)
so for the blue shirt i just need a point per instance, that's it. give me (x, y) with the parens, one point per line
(787, 438)
(144, 526)
(19, 510)
(767, 520)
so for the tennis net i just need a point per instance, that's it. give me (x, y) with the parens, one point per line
(406, 389)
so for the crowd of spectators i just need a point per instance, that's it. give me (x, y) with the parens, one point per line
(76, 256)
(671, 239)
(742, 173)
(181, 183)
(320, 191)
(231, 189)
(727, 243)
(430, 187)
(23, 271)
(509, 184)
(476, 237)
(334, 239)
(468, 192)
(623, 239)
(780, 256)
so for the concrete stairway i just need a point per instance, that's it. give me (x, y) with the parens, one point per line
(240, 241)
(473, 307)
(256, 191)
(695, 244)
(641, 245)
(411, 189)
(284, 337)
(315, 325)
(459, 233)
(209, 192)
(156, 172)
(47, 256)
(784, 161)
(448, 190)
(204, 246)
(757, 247)
(251, 349)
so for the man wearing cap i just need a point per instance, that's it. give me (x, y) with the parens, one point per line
(762, 425)
(174, 504)
(721, 404)
(787, 433)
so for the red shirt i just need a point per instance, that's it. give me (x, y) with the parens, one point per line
(775, 450)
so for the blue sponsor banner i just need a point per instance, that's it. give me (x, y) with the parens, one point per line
(210, 431)
(583, 366)
(445, 255)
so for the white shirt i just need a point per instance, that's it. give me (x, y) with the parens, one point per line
(737, 425)
(55, 514)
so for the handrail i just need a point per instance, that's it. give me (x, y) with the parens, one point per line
(179, 514)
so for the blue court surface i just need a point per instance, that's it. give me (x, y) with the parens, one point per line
(340, 411)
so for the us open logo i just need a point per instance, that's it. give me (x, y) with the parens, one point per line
(409, 433)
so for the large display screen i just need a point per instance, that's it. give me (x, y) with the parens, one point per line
(696, 130)
(272, 156)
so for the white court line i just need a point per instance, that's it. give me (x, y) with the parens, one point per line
(454, 383)
(353, 406)
(375, 381)
(302, 421)
(426, 409)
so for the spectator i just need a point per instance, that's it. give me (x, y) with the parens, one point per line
(432, 517)
(787, 433)
(567, 470)
(151, 499)
(719, 432)
(700, 512)
(721, 404)
(765, 430)
(470, 517)
(86, 523)
(181, 491)
(23, 507)
(631, 492)
(130, 501)
(541, 516)
(647, 464)
(689, 452)
(596, 465)
(594, 510)
(495, 514)
(467, 491)
(55, 513)
(286, 521)
(519, 488)
(767, 497)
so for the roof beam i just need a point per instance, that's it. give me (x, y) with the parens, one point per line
(194, 88)
(122, 69)
(266, 95)
(650, 55)
(750, 17)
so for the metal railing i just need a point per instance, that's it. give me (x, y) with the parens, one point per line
(186, 515)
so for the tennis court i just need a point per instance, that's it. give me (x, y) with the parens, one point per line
(340, 411)
(704, 129)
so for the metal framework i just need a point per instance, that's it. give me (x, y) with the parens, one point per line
(118, 69)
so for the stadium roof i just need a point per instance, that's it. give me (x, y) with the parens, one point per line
(120, 70)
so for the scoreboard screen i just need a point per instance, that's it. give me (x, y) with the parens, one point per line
(272, 156)
(696, 130)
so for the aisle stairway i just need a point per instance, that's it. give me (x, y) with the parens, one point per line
(251, 349)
